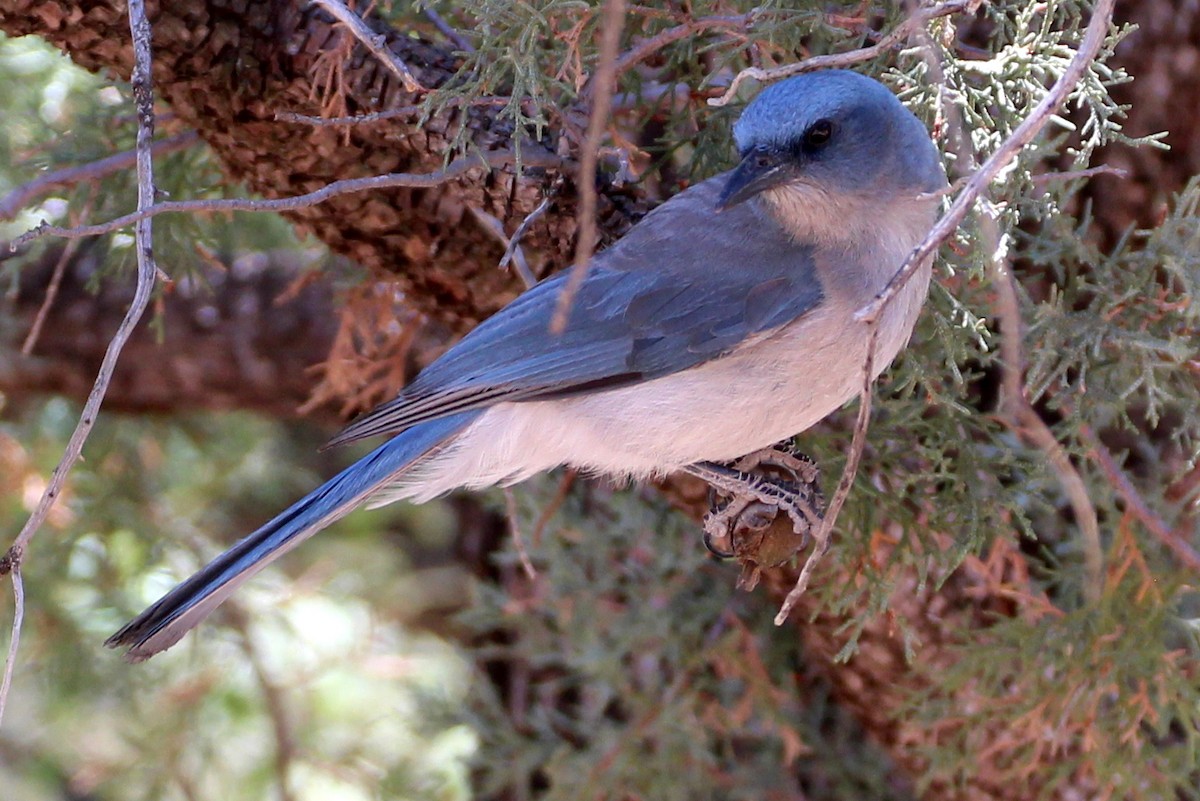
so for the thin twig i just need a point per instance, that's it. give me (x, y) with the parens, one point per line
(26, 193)
(527, 104)
(858, 443)
(492, 224)
(514, 242)
(454, 170)
(514, 525)
(143, 96)
(11, 562)
(1074, 175)
(550, 509)
(60, 269)
(603, 84)
(1174, 541)
(374, 42)
(449, 31)
(277, 707)
(898, 34)
(648, 47)
(1023, 417)
(1093, 40)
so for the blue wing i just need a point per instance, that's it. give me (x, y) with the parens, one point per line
(681, 288)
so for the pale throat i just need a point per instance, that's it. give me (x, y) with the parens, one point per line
(810, 213)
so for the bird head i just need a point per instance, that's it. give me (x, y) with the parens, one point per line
(831, 134)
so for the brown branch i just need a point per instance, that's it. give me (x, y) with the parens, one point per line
(1023, 417)
(146, 272)
(11, 563)
(1093, 39)
(898, 34)
(603, 84)
(454, 170)
(26, 193)
(1176, 542)
(449, 31)
(273, 697)
(650, 46)
(514, 524)
(374, 42)
(824, 535)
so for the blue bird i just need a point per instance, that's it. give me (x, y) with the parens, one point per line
(720, 324)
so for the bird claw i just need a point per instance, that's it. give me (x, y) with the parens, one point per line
(745, 499)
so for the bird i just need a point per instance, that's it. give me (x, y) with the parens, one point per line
(722, 322)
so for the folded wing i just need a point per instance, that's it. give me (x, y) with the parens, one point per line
(676, 291)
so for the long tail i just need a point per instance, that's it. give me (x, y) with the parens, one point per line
(177, 612)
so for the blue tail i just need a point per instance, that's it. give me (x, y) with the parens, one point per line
(173, 615)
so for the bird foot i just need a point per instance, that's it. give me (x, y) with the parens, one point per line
(746, 498)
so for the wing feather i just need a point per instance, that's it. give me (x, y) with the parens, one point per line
(682, 287)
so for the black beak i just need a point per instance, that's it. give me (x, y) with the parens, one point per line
(760, 170)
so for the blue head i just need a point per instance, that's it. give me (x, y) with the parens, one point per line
(836, 133)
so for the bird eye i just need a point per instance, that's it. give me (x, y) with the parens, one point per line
(818, 134)
(762, 157)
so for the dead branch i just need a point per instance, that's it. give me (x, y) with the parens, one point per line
(27, 193)
(897, 35)
(455, 169)
(603, 83)
(374, 42)
(146, 272)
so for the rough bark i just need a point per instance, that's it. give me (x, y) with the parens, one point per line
(226, 68)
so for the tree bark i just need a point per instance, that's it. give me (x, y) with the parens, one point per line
(230, 338)
(227, 68)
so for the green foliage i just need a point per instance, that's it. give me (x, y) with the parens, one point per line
(631, 668)
(365, 701)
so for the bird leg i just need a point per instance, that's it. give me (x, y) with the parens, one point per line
(746, 523)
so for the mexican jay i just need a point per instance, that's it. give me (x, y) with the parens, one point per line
(719, 325)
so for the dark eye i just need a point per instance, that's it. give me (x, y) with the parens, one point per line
(818, 134)
(762, 157)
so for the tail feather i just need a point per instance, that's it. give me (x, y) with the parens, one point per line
(164, 623)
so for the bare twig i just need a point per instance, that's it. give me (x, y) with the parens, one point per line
(858, 443)
(1074, 175)
(454, 170)
(1093, 39)
(550, 509)
(897, 35)
(514, 242)
(449, 31)
(514, 524)
(146, 271)
(648, 47)
(60, 269)
(26, 193)
(1176, 542)
(1024, 418)
(374, 42)
(273, 697)
(400, 111)
(11, 562)
(512, 251)
(603, 84)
